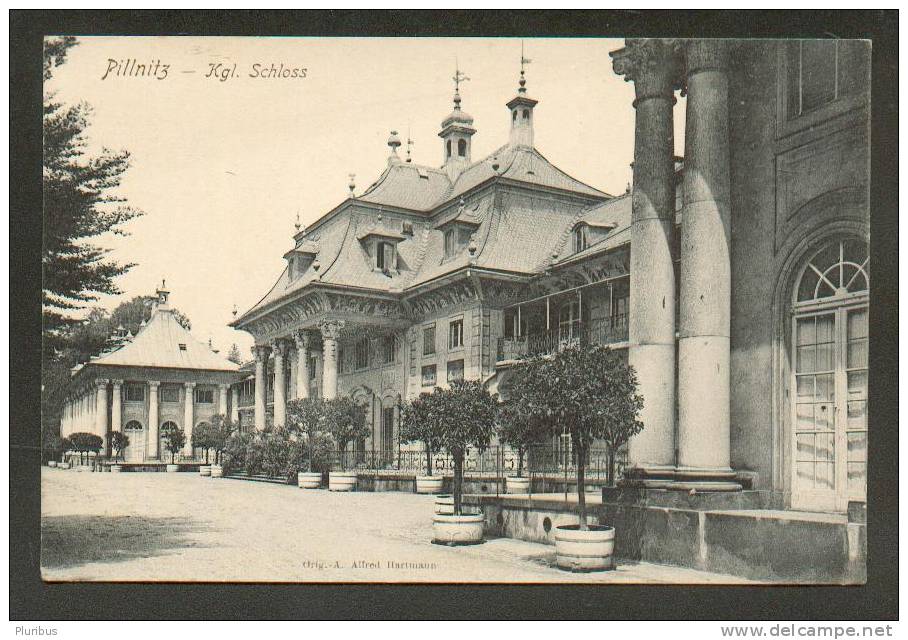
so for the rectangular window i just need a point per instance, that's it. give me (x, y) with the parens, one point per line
(170, 393)
(341, 359)
(362, 354)
(455, 334)
(821, 71)
(428, 340)
(389, 349)
(428, 375)
(450, 244)
(455, 370)
(135, 393)
(204, 396)
(313, 363)
(384, 256)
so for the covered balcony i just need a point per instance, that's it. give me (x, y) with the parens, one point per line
(586, 315)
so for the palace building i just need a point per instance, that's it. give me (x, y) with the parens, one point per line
(141, 383)
(735, 279)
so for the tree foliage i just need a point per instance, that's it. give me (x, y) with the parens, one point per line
(518, 428)
(419, 422)
(80, 203)
(220, 431)
(309, 417)
(234, 354)
(85, 443)
(118, 442)
(345, 422)
(174, 439)
(587, 392)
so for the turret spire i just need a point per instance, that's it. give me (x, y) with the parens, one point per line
(521, 108)
(457, 130)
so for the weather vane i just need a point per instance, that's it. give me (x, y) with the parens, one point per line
(459, 76)
(523, 59)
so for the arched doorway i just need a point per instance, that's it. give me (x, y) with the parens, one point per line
(829, 347)
(135, 451)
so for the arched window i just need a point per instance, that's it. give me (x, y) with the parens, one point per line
(514, 115)
(170, 424)
(133, 425)
(448, 148)
(462, 148)
(837, 270)
(829, 378)
(526, 114)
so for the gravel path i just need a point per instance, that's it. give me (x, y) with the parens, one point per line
(183, 527)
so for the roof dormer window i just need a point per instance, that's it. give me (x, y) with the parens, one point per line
(581, 237)
(385, 256)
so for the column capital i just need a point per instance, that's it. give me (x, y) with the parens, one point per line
(189, 385)
(154, 384)
(116, 383)
(102, 383)
(223, 385)
(705, 54)
(331, 328)
(261, 351)
(302, 339)
(279, 347)
(654, 65)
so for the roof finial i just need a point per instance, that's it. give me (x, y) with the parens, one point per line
(352, 184)
(523, 61)
(234, 311)
(459, 77)
(409, 143)
(297, 223)
(393, 142)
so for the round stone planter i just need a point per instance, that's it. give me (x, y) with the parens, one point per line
(52, 463)
(341, 480)
(205, 470)
(428, 484)
(309, 479)
(172, 468)
(516, 484)
(591, 550)
(217, 471)
(453, 530)
(444, 505)
(115, 468)
(63, 465)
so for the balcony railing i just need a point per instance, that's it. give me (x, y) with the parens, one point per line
(602, 332)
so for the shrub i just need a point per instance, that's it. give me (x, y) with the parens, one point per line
(234, 454)
(346, 422)
(118, 442)
(86, 442)
(418, 423)
(174, 439)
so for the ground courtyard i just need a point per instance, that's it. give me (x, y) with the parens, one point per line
(183, 527)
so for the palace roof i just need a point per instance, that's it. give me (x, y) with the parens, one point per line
(163, 342)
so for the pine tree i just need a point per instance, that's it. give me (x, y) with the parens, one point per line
(234, 354)
(80, 203)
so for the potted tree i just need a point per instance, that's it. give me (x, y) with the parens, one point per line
(86, 444)
(346, 423)
(418, 423)
(219, 435)
(118, 443)
(174, 440)
(307, 417)
(589, 393)
(65, 445)
(201, 439)
(520, 431)
(469, 416)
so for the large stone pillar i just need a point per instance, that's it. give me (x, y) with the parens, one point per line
(302, 364)
(188, 416)
(703, 348)
(279, 347)
(101, 412)
(261, 385)
(222, 399)
(235, 405)
(330, 332)
(151, 450)
(116, 406)
(653, 65)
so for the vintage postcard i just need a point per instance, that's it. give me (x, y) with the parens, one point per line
(446, 310)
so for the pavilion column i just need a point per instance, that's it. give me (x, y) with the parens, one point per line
(302, 364)
(151, 450)
(101, 412)
(330, 332)
(235, 405)
(653, 65)
(222, 399)
(116, 406)
(261, 385)
(188, 417)
(279, 347)
(703, 351)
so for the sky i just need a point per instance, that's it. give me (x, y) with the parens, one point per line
(222, 168)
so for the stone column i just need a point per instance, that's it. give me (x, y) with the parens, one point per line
(302, 364)
(116, 410)
(151, 451)
(188, 416)
(703, 349)
(330, 332)
(279, 347)
(235, 405)
(222, 399)
(101, 412)
(653, 65)
(261, 385)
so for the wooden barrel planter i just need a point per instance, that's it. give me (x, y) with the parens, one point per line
(428, 484)
(115, 468)
(590, 550)
(341, 480)
(516, 484)
(309, 479)
(205, 470)
(444, 504)
(457, 529)
(172, 468)
(217, 471)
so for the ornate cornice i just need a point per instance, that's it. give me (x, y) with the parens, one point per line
(453, 294)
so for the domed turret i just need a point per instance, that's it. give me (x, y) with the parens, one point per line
(457, 132)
